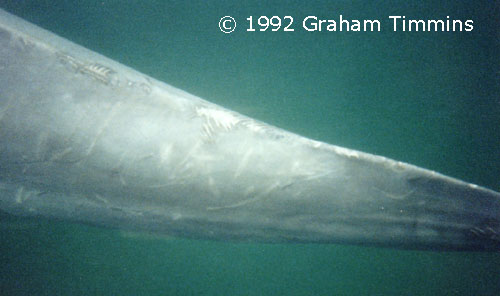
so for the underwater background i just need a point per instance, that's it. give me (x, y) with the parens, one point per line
(431, 99)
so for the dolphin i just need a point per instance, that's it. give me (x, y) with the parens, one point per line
(86, 139)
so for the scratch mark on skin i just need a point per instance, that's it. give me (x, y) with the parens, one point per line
(215, 120)
(117, 170)
(243, 163)
(104, 125)
(57, 156)
(396, 196)
(97, 71)
(346, 152)
(4, 110)
(19, 195)
(122, 181)
(102, 199)
(22, 195)
(189, 154)
(186, 163)
(314, 176)
(250, 200)
(487, 232)
(40, 144)
(166, 153)
(146, 157)
(213, 187)
(479, 229)
(161, 185)
(491, 230)
(97, 199)
(250, 189)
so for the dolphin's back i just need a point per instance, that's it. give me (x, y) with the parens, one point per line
(86, 139)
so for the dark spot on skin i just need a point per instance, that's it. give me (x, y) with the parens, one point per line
(5, 35)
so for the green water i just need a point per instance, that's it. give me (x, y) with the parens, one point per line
(427, 98)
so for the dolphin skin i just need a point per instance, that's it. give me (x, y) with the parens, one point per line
(86, 139)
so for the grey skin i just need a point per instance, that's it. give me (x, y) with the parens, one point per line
(86, 139)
